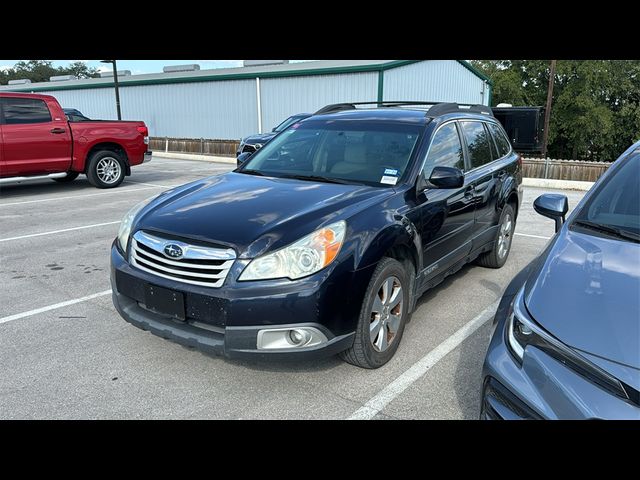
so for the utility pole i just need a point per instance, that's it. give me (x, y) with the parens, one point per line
(115, 81)
(547, 110)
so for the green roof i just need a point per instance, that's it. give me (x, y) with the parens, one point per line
(267, 71)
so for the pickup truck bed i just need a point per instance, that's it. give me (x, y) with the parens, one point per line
(37, 141)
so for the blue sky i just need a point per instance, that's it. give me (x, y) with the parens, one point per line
(143, 66)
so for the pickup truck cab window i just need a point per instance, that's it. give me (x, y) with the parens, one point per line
(25, 110)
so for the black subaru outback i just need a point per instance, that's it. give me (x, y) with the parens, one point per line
(323, 240)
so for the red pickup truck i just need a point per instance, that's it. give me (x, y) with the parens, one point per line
(37, 141)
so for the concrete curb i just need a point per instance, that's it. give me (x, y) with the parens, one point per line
(193, 156)
(558, 184)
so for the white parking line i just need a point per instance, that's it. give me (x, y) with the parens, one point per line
(532, 236)
(58, 231)
(154, 184)
(70, 197)
(53, 307)
(379, 401)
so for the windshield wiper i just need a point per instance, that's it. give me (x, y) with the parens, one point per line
(248, 171)
(615, 231)
(319, 178)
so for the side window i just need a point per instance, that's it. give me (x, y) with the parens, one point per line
(25, 110)
(478, 143)
(501, 140)
(445, 150)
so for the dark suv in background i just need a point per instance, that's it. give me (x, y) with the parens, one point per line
(254, 142)
(322, 241)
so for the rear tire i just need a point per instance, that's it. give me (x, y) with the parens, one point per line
(382, 318)
(497, 256)
(71, 176)
(105, 169)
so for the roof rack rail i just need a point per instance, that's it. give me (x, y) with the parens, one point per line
(436, 108)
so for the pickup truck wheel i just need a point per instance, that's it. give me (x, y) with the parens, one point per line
(105, 169)
(71, 176)
(497, 256)
(382, 317)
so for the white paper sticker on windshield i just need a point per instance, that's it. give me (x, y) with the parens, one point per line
(389, 180)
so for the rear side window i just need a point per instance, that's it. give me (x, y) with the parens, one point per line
(478, 143)
(445, 150)
(25, 110)
(501, 141)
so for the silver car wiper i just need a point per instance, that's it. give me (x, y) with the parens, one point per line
(319, 178)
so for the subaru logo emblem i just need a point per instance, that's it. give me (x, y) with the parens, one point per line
(173, 251)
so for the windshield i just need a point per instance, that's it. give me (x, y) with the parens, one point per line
(616, 203)
(286, 123)
(366, 152)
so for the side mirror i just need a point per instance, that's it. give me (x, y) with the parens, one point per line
(243, 157)
(447, 177)
(553, 206)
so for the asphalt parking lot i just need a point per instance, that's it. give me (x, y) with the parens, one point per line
(66, 353)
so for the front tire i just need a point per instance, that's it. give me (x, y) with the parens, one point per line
(71, 176)
(106, 169)
(497, 256)
(382, 317)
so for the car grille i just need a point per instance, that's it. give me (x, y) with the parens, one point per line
(248, 149)
(498, 403)
(198, 265)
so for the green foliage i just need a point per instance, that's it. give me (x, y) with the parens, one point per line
(595, 113)
(42, 70)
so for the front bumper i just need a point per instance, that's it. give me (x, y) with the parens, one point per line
(147, 156)
(226, 321)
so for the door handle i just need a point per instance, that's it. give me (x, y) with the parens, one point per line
(58, 130)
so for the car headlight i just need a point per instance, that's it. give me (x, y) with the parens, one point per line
(127, 223)
(519, 328)
(304, 257)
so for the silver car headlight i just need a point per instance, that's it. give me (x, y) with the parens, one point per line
(127, 223)
(308, 255)
(519, 328)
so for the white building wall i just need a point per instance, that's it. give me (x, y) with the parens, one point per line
(435, 80)
(283, 97)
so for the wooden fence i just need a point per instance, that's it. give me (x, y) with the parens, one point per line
(532, 167)
(563, 169)
(204, 146)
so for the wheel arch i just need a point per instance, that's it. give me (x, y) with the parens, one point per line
(112, 146)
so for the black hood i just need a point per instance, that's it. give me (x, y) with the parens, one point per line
(254, 214)
(261, 138)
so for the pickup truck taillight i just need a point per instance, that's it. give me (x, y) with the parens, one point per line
(145, 132)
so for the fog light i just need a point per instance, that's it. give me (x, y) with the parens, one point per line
(288, 338)
(297, 336)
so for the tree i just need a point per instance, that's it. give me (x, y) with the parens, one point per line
(79, 69)
(42, 70)
(596, 103)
